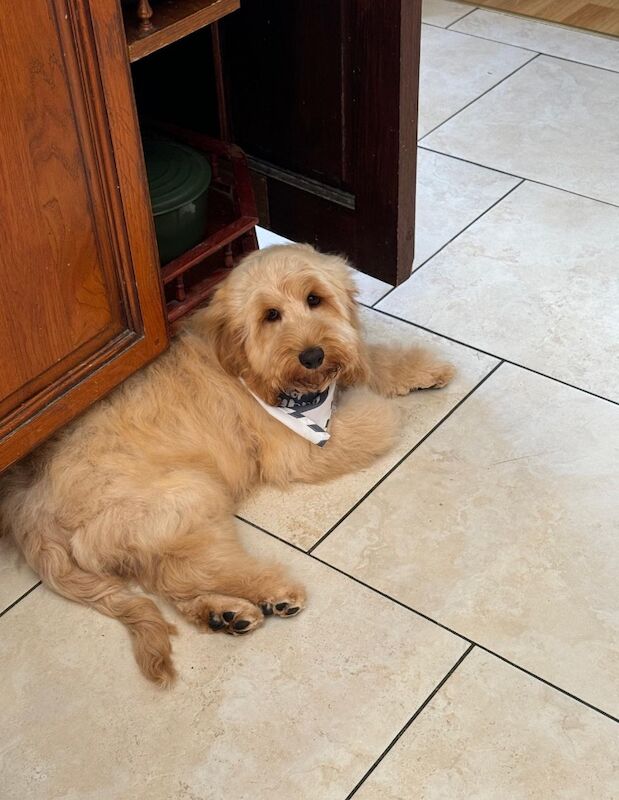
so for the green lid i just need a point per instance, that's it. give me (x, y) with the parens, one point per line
(177, 174)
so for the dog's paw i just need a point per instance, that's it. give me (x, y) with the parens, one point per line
(424, 376)
(241, 618)
(441, 375)
(221, 613)
(287, 601)
(435, 377)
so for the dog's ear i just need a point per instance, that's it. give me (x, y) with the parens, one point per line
(356, 370)
(225, 335)
(350, 290)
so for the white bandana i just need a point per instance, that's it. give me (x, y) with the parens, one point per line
(305, 414)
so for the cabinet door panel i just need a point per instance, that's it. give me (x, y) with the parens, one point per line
(80, 301)
(323, 97)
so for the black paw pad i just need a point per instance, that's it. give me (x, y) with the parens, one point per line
(214, 622)
(292, 611)
(228, 615)
(281, 606)
(267, 609)
(241, 625)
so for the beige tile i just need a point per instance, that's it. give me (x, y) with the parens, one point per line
(534, 281)
(450, 195)
(443, 12)
(503, 526)
(370, 289)
(300, 709)
(304, 513)
(493, 732)
(455, 69)
(553, 122)
(16, 577)
(553, 40)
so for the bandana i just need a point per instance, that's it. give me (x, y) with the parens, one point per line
(306, 414)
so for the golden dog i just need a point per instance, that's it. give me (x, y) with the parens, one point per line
(144, 486)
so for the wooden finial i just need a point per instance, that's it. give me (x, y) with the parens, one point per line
(144, 13)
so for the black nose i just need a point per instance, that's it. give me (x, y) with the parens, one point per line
(312, 358)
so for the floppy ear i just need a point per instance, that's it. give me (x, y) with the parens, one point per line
(356, 370)
(226, 336)
(349, 289)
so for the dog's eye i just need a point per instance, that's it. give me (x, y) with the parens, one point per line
(313, 300)
(272, 315)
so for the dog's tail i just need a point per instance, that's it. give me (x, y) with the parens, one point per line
(149, 630)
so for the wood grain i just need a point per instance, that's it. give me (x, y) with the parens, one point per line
(52, 267)
(601, 16)
(80, 296)
(171, 21)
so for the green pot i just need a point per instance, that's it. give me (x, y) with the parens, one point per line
(178, 181)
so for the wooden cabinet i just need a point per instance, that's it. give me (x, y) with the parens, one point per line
(80, 298)
(322, 96)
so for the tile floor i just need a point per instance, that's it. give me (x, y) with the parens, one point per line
(462, 639)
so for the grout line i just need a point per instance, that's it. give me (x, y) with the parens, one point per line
(479, 96)
(455, 236)
(381, 298)
(494, 355)
(548, 683)
(455, 22)
(274, 535)
(405, 456)
(435, 622)
(476, 164)
(428, 699)
(19, 599)
(524, 177)
(461, 636)
(389, 597)
(522, 46)
(573, 61)
(432, 25)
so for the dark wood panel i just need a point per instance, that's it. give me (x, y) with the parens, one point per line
(92, 312)
(384, 70)
(323, 97)
(283, 61)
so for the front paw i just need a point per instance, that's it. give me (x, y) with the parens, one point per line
(439, 375)
(416, 376)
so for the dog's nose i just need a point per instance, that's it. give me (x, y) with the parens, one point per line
(312, 358)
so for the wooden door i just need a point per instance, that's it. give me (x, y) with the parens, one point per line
(80, 297)
(323, 97)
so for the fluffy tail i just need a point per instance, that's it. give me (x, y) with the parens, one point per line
(149, 630)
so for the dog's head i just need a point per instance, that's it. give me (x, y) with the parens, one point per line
(286, 319)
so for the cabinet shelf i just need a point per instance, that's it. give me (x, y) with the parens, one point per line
(171, 21)
(231, 219)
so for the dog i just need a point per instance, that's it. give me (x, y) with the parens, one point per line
(143, 487)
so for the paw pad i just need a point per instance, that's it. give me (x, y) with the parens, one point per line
(281, 609)
(215, 622)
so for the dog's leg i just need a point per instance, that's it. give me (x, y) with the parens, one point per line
(111, 596)
(393, 371)
(213, 581)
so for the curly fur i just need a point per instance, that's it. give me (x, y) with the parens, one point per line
(144, 486)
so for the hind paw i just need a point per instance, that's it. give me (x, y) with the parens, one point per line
(222, 613)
